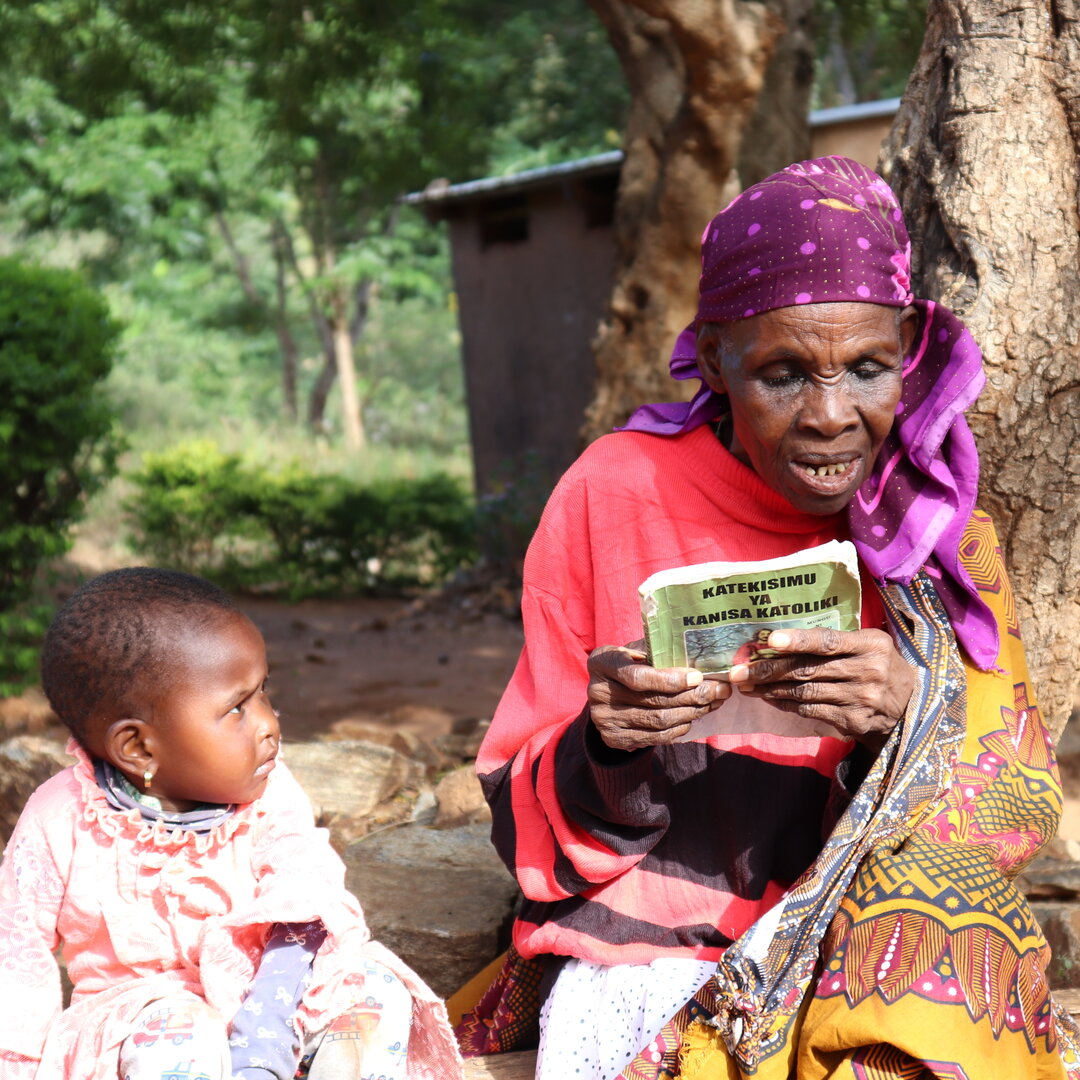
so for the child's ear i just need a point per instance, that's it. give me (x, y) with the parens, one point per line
(128, 744)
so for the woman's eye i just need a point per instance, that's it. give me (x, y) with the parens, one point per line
(868, 369)
(782, 378)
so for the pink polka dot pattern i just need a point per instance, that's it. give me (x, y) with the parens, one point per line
(833, 233)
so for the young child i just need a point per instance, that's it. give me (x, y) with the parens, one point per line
(202, 916)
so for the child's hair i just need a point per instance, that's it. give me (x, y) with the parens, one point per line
(110, 641)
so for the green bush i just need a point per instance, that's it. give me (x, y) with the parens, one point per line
(293, 531)
(57, 445)
(192, 505)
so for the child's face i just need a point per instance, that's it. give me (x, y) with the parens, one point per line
(212, 731)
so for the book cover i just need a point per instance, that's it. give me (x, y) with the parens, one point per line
(713, 615)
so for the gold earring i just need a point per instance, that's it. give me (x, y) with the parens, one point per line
(147, 779)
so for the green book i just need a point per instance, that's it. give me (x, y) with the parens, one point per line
(713, 615)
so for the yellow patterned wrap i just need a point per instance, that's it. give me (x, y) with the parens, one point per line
(926, 961)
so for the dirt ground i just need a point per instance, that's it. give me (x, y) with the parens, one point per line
(390, 663)
(428, 665)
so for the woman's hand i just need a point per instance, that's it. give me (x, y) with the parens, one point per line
(854, 680)
(634, 705)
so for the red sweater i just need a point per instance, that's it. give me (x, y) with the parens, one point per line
(676, 850)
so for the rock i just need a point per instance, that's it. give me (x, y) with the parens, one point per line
(26, 762)
(439, 898)
(29, 712)
(1062, 848)
(1060, 922)
(404, 742)
(470, 725)
(425, 717)
(461, 799)
(463, 746)
(425, 808)
(1050, 877)
(354, 786)
(1069, 1000)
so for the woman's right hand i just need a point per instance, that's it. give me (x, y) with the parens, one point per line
(633, 705)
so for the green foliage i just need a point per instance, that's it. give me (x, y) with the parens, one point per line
(56, 431)
(191, 505)
(866, 48)
(21, 632)
(293, 531)
(560, 85)
(237, 167)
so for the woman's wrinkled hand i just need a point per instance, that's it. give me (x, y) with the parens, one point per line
(634, 705)
(854, 680)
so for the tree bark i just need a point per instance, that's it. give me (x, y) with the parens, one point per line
(984, 157)
(695, 69)
(778, 131)
(320, 392)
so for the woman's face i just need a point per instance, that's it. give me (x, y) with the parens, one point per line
(813, 392)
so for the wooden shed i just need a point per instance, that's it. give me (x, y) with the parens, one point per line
(532, 260)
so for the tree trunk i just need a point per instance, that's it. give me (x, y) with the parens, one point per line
(778, 132)
(695, 70)
(320, 391)
(346, 369)
(290, 354)
(984, 156)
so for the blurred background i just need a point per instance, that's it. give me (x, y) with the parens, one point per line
(231, 339)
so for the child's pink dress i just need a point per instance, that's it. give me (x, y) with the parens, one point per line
(143, 910)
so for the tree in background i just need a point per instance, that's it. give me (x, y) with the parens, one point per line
(283, 133)
(866, 49)
(984, 157)
(698, 73)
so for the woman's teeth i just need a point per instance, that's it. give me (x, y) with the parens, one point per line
(826, 470)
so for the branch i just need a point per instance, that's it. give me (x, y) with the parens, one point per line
(240, 262)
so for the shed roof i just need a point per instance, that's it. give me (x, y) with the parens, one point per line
(442, 193)
(579, 167)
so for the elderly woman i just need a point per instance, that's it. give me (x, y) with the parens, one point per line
(752, 902)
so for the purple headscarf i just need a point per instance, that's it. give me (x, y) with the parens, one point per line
(831, 230)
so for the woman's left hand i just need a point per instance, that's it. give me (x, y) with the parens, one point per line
(852, 679)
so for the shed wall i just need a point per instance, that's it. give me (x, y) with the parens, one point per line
(532, 268)
(528, 311)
